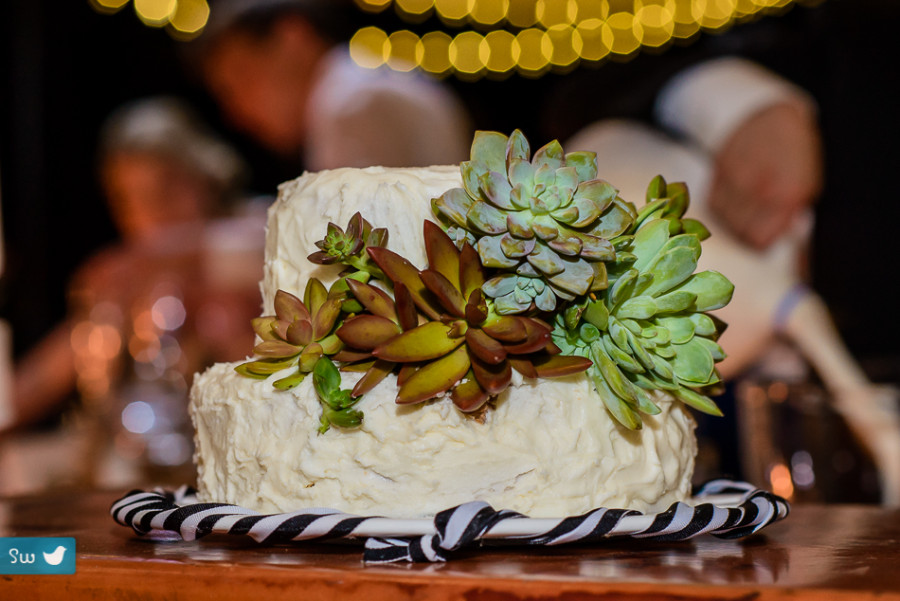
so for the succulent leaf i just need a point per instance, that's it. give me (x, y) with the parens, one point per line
(484, 347)
(276, 348)
(289, 308)
(399, 269)
(377, 372)
(367, 332)
(453, 205)
(290, 381)
(435, 378)
(468, 395)
(447, 294)
(336, 403)
(713, 290)
(428, 341)
(537, 336)
(554, 366)
(325, 318)
(493, 378)
(405, 307)
(693, 362)
(442, 254)
(489, 149)
(373, 300)
(506, 329)
(315, 295)
(697, 401)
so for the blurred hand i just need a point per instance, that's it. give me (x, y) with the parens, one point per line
(767, 172)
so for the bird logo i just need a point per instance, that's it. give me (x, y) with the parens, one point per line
(55, 558)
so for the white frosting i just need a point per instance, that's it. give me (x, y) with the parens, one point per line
(548, 448)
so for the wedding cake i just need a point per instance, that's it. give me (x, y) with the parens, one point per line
(579, 425)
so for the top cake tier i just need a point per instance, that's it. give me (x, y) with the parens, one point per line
(396, 199)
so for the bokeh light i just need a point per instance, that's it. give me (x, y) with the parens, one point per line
(713, 14)
(535, 50)
(436, 52)
(468, 54)
(503, 51)
(780, 480)
(155, 13)
(454, 10)
(168, 313)
(627, 33)
(596, 39)
(373, 6)
(550, 13)
(657, 22)
(591, 9)
(521, 13)
(490, 13)
(369, 47)
(138, 417)
(108, 6)
(566, 45)
(190, 17)
(415, 7)
(745, 8)
(405, 50)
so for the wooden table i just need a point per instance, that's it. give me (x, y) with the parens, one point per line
(818, 552)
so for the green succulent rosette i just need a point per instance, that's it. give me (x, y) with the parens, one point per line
(544, 221)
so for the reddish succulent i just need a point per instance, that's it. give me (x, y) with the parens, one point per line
(465, 347)
(298, 334)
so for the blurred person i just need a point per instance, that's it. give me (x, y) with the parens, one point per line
(168, 182)
(771, 301)
(276, 70)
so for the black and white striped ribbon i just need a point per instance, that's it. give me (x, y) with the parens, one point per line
(744, 512)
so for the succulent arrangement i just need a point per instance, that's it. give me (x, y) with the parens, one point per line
(535, 265)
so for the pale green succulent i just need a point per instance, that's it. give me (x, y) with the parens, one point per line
(515, 293)
(649, 330)
(544, 217)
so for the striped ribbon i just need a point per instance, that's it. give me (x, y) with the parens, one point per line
(390, 540)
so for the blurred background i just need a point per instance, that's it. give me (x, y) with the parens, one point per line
(116, 288)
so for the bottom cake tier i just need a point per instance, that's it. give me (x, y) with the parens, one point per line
(547, 448)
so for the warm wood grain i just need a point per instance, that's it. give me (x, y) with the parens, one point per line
(819, 552)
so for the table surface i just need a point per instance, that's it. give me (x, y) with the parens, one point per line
(818, 552)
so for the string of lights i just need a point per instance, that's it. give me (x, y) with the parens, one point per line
(496, 38)
(530, 37)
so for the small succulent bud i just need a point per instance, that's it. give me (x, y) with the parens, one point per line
(349, 247)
